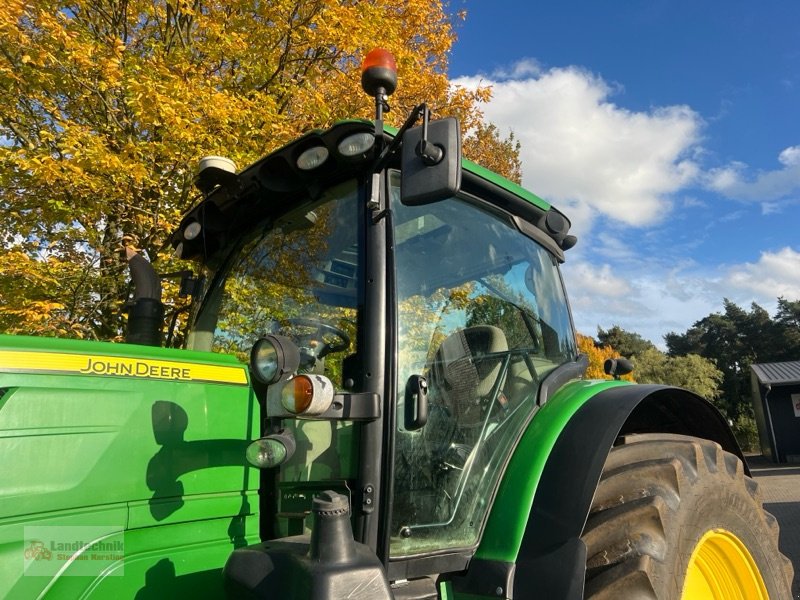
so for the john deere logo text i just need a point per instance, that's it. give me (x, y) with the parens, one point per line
(136, 369)
(119, 366)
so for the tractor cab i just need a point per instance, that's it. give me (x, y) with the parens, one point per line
(380, 397)
(404, 317)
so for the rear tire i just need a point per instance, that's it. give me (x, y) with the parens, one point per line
(660, 499)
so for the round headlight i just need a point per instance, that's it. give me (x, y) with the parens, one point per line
(192, 230)
(312, 158)
(271, 451)
(356, 144)
(273, 358)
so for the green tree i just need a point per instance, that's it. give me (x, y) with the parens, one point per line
(788, 321)
(106, 107)
(625, 342)
(692, 372)
(719, 338)
(737, 338)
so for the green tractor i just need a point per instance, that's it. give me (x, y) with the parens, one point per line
(380, 396)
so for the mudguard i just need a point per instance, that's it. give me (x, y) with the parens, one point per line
(546, 493)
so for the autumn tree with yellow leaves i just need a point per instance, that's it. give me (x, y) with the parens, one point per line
(597, 355)
(107, 105)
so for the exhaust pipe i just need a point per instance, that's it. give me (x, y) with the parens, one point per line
(146, 312)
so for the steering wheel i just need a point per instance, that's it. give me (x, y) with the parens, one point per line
(322, 335)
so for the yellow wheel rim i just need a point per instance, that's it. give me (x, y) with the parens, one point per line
(721, 568)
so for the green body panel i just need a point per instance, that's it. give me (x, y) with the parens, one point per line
(502, 536)
(158, 455)
(504, 183)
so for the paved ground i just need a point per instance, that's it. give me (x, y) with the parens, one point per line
(780, 485)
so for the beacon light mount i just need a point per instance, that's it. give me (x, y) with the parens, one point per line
(431, 156)
(379, 79)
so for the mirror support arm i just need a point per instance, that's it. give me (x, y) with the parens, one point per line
(395, 144)
(431, 154)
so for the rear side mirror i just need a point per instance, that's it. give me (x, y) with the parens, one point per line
(616, 367)
(431, 165)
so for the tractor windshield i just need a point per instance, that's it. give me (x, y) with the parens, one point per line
(482, 316)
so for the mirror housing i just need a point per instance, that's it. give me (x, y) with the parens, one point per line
(616, 367)
(421, 181)
(416, 401)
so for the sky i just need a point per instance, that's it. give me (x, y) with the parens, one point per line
(667, 131)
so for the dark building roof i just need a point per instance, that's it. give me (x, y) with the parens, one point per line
(778, 373)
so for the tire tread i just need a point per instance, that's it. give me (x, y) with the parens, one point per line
(636, 503)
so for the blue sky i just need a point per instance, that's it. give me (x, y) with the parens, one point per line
(667, 131)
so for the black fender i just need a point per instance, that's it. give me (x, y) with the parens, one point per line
(551, 562)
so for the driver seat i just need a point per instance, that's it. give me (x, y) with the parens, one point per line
(461, 375)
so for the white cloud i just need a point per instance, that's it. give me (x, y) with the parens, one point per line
(771, 208)
(731, 216)
(734, 181)
(659, 298)
(790, 156)
(596, 281)
(578, 148)
(596, 160)
(527, 67)
(774, 274)
(610, 246)
(692, 202)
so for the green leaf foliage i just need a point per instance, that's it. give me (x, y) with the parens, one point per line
(737, 338)
(692, 372)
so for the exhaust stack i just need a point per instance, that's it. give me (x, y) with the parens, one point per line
(146, 311)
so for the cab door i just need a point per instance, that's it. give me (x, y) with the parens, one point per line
(482, 319)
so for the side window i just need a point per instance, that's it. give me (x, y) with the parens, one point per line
(482, 316)
(300, 278)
